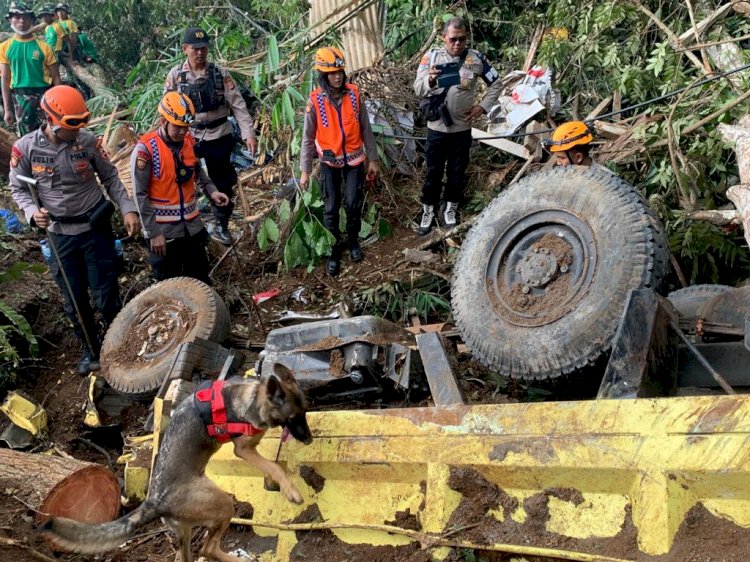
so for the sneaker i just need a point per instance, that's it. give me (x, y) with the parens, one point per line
(87, 363)
(333, 266)
(221, 235)
(428, 215)
(450, 214)
(356, 254)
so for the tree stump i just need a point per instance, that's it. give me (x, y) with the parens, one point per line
(61, 487)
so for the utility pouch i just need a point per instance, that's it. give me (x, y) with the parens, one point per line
(100, 217)
(328, 156)
(430, 107)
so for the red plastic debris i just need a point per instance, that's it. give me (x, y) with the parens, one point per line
(266, 295)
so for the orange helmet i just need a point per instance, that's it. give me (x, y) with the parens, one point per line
(329, 59)
(177, 109)
(65, 106)
(568, 135)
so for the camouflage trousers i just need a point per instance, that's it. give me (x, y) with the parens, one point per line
(29, 116)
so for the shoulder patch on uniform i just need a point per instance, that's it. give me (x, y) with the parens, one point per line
(309, 107)
(15, 156)
(142, 159)
(228, 82)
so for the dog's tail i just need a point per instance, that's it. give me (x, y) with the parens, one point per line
(92, 539)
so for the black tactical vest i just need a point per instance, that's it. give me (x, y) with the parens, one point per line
(207, 94)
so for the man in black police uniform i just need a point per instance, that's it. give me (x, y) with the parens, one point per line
(214, 94)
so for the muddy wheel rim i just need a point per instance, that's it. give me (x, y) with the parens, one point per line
(147, 320)
(523, 259)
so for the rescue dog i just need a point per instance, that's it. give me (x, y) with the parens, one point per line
(179, 492)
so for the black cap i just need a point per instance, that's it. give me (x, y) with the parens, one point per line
(195, 37)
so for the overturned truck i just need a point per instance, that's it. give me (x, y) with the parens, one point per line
(647, 459)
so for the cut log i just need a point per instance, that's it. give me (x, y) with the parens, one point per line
(61, 487)
(6, 144)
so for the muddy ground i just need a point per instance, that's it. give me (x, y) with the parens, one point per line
(51, 381)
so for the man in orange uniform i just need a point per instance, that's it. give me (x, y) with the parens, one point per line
(165, 172)
(571, 143)
(338, 128)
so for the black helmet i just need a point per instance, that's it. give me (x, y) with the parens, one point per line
(63, 6)
(19, 9)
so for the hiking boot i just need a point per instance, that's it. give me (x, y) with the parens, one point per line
(356, 254)
(450, 214)
(333, 266)
(428, 215)
(221, 235)
(87, 363)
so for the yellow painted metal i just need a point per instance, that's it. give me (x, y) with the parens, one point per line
(91, 418)
(25, 414)
(137, 460)
(611, 461)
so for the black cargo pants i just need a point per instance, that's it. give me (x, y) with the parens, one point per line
(217, 154)
(446, 154)
(90, 264)
(335, 182)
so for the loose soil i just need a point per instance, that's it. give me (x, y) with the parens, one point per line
(52, 382)
(323, 546)
(540, 305)
(142, 339)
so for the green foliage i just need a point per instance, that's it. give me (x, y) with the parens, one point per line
(308, 240)
(711, 254)
(17, 340)
(427, 297)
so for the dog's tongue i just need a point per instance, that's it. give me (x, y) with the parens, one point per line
(285, 435)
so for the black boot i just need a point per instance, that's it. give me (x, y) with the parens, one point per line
(355, 252)
(87, 363)
(333, 266)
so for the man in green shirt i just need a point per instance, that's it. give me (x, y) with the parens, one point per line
(28, 68)
(62, 35)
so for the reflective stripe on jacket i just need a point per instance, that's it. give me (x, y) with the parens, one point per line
(338, 128)
(171, 202)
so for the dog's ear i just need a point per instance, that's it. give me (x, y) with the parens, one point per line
(284, 373)
(275, 391)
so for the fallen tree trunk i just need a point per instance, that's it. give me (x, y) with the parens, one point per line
(92, 75)
(60, 486)
(740, 194)
(6, 144)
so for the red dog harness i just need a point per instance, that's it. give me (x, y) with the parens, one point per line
(210, 403)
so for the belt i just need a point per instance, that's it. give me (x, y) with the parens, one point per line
(210, 124)
(30, 91)
(77, 219)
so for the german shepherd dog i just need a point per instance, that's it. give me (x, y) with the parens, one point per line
(179, 492)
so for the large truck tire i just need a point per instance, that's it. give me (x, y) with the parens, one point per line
(689, 300)
(542, 278)
(731, 308)
(144, 338)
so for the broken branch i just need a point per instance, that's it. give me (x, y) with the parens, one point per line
(674, 41)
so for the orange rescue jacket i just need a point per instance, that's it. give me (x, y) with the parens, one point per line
(338, 128)
(172, 202)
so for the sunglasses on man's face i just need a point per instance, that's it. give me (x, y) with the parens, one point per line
(457, 39)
